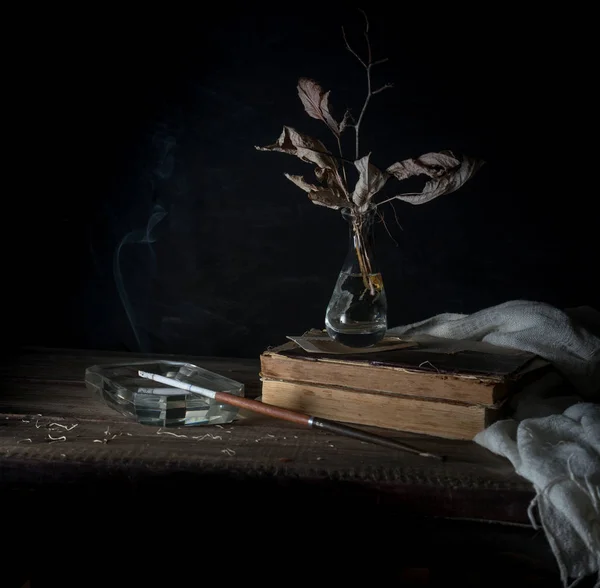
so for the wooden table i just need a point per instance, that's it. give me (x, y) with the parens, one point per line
(58, 443)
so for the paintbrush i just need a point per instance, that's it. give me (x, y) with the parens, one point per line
(288, 415)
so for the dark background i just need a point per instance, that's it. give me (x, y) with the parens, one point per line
(142, 217)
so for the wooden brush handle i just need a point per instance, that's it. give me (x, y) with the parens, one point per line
(266, 409)
(309, 421)
(361, 435)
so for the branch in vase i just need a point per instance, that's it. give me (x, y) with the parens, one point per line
(367, 65)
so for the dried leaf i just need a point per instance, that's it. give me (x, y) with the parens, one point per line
(326, 198)
(302, 183)
(346, 121)
(302, 146)
(319, 195)
(332, 180)
(370, 181)
(316, 103)
(433, 165)
(443, 160)
(449, 182)
(312, 151)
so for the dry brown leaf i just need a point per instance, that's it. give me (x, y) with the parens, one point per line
(433, 165)
(302, 146)
(449, 182)
(316, 103)
(443, 159)
(370, 181)
(319, 195)
(312, 151)
(346, 121)
(326, 198)
(302, 183)
(332, 180)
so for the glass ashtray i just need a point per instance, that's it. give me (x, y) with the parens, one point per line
(120, 387)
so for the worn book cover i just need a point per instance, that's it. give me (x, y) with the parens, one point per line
(425, 367)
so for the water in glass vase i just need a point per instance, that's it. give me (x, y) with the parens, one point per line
(356, 315)
(357, 312)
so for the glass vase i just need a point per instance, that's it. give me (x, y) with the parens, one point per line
(356, 315)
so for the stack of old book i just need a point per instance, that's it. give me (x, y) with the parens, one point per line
(434, 386)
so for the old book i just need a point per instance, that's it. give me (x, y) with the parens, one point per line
(469, 372)
(453, 420)
(438, 387)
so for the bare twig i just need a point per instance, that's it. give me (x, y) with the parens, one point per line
(352, 50)
(367, 65)
(385, 87)
(367, 36)
(343, 160)
(396, 216)
(386, 227)
(366, 21)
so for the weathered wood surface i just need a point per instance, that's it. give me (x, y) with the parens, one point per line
(41, 389)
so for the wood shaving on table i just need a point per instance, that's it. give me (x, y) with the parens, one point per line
(213, 437)
(268, 437)
(62, 438)
(161, 432)
(229, 452)
(67, 427)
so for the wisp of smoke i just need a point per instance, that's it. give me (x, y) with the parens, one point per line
(139, 237)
